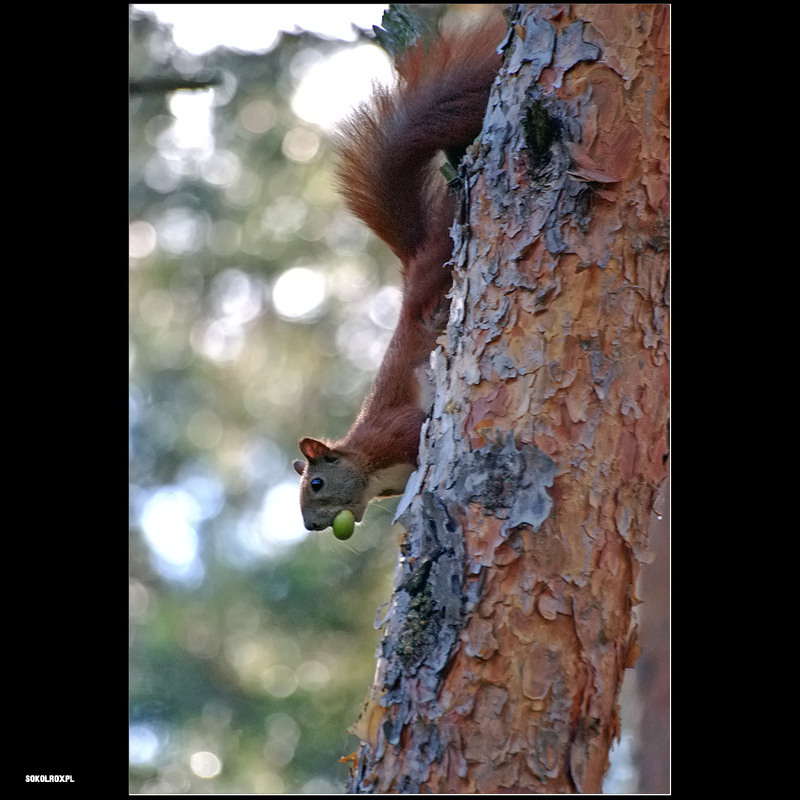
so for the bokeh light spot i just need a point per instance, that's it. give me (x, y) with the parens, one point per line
(298, 293)
(141, 239)
(205, 764)
(301, 145)
(143, 744)
(332, 86)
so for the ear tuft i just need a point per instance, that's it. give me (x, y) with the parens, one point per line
(312, 448)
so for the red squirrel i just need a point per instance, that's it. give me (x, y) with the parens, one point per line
(389, 174)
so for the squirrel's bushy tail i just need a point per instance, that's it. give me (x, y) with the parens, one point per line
(387, 149)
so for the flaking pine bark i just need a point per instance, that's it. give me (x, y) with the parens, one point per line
(511, 622)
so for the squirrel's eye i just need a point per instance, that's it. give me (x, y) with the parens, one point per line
(316, 484)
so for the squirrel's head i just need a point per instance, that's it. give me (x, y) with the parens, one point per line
(331, 481)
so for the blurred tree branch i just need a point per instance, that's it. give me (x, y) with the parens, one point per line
(163, 84)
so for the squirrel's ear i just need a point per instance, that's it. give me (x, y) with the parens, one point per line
(299, 466)
(311, 448)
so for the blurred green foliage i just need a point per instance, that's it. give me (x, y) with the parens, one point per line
(251, 646)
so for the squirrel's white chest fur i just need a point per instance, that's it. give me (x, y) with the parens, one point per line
(391, 480)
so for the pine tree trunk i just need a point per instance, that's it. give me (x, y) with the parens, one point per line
(652, 668)
(510, 624)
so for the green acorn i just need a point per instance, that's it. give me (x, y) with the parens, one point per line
(344, 523)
